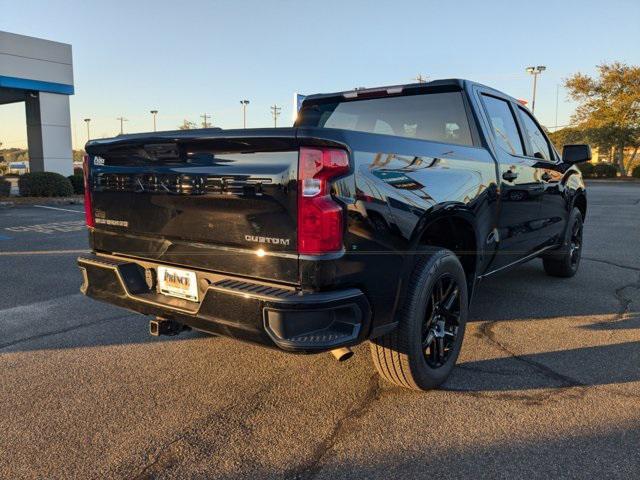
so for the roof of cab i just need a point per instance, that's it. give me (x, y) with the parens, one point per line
(441, 84)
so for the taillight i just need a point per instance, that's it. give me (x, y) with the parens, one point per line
(319, 216)
(88, 208)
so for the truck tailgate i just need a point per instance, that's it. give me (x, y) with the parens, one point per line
(223, 204)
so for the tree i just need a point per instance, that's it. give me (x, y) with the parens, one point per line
(78, 155)
(566, 136)
(187, 125)
(608, 110)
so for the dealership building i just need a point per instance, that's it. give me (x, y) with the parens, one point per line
(40, 73)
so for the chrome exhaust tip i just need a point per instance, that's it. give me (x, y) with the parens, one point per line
(342, 354)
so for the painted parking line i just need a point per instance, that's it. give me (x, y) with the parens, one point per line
(55, 227)
(61, 209)
(43, 252)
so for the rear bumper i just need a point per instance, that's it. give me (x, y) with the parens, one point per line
(271, 315)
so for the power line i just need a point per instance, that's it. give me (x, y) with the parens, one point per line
(420, 79)
(204, 118)
(122, 120)
(275, 111)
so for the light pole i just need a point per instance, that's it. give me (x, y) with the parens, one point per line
(154, 113)
(535, 71)
(87, 121)
(122, 120)
(275, 111)
(244, 104)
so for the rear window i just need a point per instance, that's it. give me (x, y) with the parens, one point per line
(439, 117)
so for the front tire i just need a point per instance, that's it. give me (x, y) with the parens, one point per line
(421, 352)
(564, 261)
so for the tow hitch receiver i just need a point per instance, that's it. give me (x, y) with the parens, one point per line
(161, 326)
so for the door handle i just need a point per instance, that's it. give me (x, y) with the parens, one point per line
(510, 175)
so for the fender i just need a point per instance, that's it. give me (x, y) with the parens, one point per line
(452, 213)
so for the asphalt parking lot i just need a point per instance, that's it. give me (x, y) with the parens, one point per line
(548, 383)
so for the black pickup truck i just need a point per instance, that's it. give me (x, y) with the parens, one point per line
(374, 218)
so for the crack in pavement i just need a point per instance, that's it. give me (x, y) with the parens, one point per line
(165, 458)
(625, 302)
(576, 387)
(571, 387)
(312, 467)
(62, 330)
(613, 264)
(487, 331)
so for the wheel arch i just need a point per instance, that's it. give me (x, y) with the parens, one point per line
(580, 202)
(454, 227)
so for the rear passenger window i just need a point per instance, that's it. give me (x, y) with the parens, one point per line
(536, 138)
(504, 125)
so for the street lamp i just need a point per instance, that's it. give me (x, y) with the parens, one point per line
(154, 113)
(535, 71)
(244, 104)
(87, 121)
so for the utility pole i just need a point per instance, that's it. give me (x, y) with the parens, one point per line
(87, 121)
(154, 113)
(535, 71)
(244, 104)
(122, 120)
(557, 95)
(420, 79)
(204, 118)
(275, 111)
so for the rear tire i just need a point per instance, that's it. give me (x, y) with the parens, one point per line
(564, 261)
(421, 352)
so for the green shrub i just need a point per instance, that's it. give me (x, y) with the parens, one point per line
(587, 169)
(44, 184)
(77, 182)
(605, 170)
(5, 187)
(635, 173)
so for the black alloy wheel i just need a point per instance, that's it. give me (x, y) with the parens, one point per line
(442, 321)
(422, 350)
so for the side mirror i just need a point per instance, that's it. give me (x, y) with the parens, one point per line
(576, 154)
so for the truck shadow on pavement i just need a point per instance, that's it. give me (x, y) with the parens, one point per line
(577, 367)
(524, 294)
(527, 293)
(562, 456)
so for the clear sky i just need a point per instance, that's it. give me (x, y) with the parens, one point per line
(186, 58)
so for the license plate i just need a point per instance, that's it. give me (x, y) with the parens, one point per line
(178, 283)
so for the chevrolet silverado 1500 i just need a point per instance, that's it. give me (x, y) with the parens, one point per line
(373, 218)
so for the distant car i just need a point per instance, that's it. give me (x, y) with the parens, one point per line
(18, 168)
(373, 218)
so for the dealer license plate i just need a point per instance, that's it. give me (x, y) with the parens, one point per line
(178, 283)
